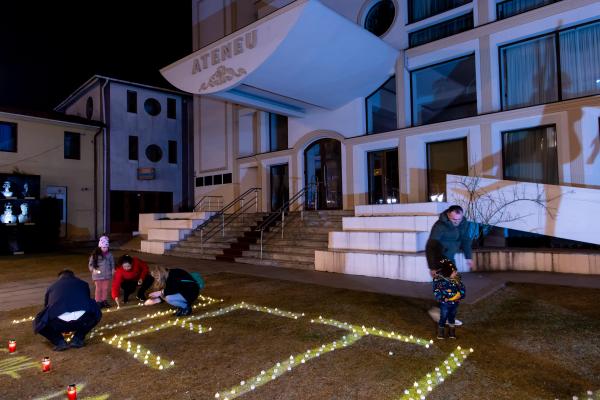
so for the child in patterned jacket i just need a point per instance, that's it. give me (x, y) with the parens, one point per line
(448, 290)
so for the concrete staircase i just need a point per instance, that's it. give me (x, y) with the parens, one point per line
(303, 234)
(166, 230)
(386, 241)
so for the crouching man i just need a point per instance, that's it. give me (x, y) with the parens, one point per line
(68, 307)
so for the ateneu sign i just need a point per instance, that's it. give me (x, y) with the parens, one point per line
(222, 52)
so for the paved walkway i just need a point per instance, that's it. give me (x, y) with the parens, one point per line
(479, 284)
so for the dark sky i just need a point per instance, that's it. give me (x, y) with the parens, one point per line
(49, 48)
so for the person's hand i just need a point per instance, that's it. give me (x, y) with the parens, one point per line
(153, 301)
(470, 264)
(139, 282)
(154, 295)
(117, 301)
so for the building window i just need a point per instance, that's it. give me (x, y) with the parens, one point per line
(152, 107)
(278, 132)
(530, 155)
(441, 30)
(89, 108)
(208, 180)
(217, 179)
(508, 8)
(72, 146)
(384, 183)
(443, 158)
(380, 17)
(381, 108)
(531, 73)
(421, 9)
(199, 181)
(8, 137)
(133, 148)
(154, 153)
(131, 101)
(171, 108)
(172, 152)
(227, 178)
(444, 91)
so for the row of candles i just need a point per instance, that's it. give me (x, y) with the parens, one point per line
(46, 366)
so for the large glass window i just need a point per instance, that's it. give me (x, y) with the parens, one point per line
(532, 73)
(444, 91)
(278, 132)
(530, 155)
(421, 9)
(441, 30)
(448, 157)
(381, 108)
(380, 17)
(8, 137)
(508, 8)
(280, 193)
(72, 146)
(384, 183)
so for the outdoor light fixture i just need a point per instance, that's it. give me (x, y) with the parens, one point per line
(46, 364)
(12, 345)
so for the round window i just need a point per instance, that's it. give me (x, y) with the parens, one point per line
(154, 153)
(152, 107)
(89, 108)
(380, 17)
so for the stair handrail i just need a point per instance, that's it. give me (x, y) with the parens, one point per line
(280, 214)
(221, 213)
(203, 199)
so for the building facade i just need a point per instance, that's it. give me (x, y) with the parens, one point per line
(375, 101)
(144, 147)
(47, 155)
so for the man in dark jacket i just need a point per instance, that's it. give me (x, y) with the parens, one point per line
(449, 235)
(68, 307)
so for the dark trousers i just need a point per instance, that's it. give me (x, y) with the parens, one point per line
(129, 287)
(447, 313)
(80, 327)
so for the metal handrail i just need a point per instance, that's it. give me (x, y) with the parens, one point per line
(221, 213)
(280, 213)
(219, 202)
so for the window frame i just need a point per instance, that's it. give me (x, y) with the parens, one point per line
(367, 106)
(171, 108)
(15, 132)
(72, 136)
(132, 101)
(172, 152)
(136, 152)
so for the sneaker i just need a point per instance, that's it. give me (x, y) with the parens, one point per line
(77, 342)
(186, 311)
(105, 304)
(179, 311)
(141, 298)
(61, 346)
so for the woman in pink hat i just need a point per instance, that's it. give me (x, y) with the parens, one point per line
(102, 267)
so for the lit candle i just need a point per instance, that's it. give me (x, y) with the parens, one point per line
(72, 392)
(46, 364)
(12, 345)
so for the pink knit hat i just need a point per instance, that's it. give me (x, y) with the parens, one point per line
(103, 242)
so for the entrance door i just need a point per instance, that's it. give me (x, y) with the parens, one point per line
(126, 206)
(384, 184)
(280, 193)
(448, 157)
(323, 167)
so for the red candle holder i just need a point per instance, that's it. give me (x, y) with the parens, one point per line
(72, 392)
(12, 345)
(46, 364)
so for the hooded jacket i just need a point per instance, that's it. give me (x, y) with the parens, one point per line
(445, 240)
(138, 271)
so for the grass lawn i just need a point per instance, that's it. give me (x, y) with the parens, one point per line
(528, 341)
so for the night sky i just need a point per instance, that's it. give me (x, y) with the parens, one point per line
(49, 48)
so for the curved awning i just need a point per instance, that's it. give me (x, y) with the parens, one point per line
(303, 55)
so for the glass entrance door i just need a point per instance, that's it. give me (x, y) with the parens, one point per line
(323, 167)
(383, 176)
(449, 157)
(280, 193)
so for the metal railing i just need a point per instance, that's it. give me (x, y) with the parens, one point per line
(240, 206)
(280, 213)
(209, 203)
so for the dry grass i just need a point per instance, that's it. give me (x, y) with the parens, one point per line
(530, 342)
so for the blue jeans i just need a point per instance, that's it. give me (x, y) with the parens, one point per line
(447, 313)
(176, 300)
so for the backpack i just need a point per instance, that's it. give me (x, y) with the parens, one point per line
(198, 278)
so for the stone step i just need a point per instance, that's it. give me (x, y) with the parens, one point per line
(272, 263)
(384, 241)
(276, 256)
(156, 246)
(186, 254)
(428, 208)
(174, 224)
(168, 234)
(391, 265)
(198, 250)
(414, 223)
(297, 230)
(278, 242)
(289, 249)
(209, 244)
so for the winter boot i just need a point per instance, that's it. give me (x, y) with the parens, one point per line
(451, 332)
(441, 333)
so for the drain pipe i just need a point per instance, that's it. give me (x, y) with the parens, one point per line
(104, 160)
